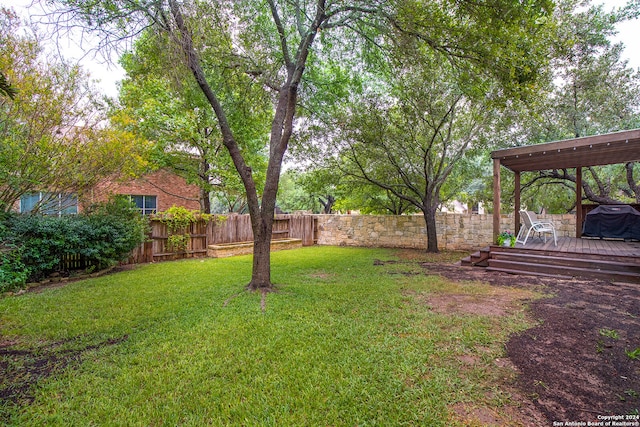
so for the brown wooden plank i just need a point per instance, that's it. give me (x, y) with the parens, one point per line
(579, 217)
(308, 235)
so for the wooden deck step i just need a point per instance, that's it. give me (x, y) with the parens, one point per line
(466, 261)
(477, 259)
(568, 254)
(581, 262)
(528, 273)
(540, 268)
(599, 259)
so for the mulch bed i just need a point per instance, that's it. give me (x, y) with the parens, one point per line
(582, 361)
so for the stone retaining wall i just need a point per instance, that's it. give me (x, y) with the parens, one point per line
(455, 231)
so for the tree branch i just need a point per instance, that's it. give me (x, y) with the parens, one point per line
(281, 33)
(633, 185)
(589, 194)
(228, 139)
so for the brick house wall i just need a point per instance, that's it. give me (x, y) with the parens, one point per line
(170, 189)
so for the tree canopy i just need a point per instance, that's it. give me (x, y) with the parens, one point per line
(52, 137)
(165, 106)
(271, 45)
(406, 136)
(593, 92)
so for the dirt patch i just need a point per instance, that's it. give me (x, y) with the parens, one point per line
(442, 257)
(470, 304)
(581, 361)
(23, 367)
(476, 416)
(577, 364)
(322, 275)
(498, 302)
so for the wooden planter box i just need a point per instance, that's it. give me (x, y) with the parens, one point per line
(224, 250)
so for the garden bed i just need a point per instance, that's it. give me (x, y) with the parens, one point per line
(581, 361)
(223, 250)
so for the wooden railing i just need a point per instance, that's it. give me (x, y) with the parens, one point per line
(222, 229)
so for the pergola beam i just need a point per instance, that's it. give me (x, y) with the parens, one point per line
(608, 149)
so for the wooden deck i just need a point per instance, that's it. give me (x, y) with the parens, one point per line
(605, 259)
(585, 245)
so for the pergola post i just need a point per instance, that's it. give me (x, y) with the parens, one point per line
(578, 202)
(516, 202)
(496, 199)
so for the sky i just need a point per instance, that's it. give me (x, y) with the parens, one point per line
(109, 74)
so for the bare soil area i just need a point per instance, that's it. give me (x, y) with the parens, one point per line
(579, 364)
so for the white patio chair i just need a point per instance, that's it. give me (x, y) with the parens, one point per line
(532, 224)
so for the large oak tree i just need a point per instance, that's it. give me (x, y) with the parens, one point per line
(409, 134)
(274, 42)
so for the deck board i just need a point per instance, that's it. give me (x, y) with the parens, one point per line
(591, 246)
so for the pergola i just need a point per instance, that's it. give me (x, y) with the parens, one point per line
(611, 148)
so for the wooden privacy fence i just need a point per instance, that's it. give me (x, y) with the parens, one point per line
(222, 229)
(70, 262)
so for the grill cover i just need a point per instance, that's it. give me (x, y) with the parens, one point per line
(615, 221)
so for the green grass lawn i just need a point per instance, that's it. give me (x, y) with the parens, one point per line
(342, 342)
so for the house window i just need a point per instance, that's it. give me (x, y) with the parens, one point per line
(147, 204)
(49, 203)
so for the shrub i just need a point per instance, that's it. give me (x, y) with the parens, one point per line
(13, 272)
(116, 229)
(33, 246)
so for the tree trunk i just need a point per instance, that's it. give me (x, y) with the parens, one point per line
(205, 200)
(633, 186)
(205, 203)
(261, 273)
(328, 205)
(261, 212)
(430, 221)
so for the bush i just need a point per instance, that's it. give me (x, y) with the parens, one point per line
(34, 246)
(13, 272)
(116, 229)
